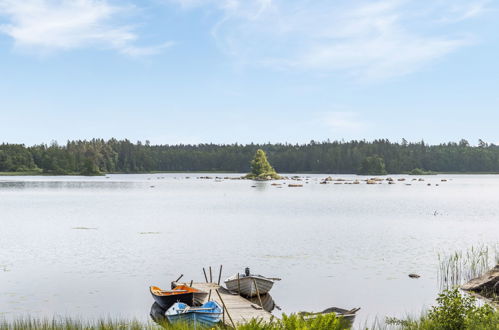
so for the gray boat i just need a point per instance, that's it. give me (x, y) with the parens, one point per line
(347, 315)
(248, 284)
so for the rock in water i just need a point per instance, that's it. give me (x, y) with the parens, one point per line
(414, 276)
(486, 285)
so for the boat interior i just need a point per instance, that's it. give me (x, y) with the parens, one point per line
(180, 289)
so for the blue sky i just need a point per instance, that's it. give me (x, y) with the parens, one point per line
(223, 71)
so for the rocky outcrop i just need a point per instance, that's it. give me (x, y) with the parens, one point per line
(486, 285)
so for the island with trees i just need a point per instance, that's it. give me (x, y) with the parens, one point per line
(261, 168)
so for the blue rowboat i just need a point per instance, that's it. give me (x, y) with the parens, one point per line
(207, 315)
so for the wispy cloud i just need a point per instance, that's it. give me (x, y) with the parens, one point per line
(369, 40)
(460, 10)
(343, 121)
(52, 25)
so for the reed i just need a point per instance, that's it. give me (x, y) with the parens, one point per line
(462, 266)
(72, 324)
(29, 323)
(291, 322)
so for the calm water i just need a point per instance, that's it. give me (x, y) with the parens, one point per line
(333, 245)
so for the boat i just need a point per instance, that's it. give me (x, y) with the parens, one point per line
(248, 284)
(207, 315)
(180, 293)
(347, 315)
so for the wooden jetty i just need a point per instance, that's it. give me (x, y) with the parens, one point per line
(238, 310)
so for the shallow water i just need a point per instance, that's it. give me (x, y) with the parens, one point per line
(91, 246)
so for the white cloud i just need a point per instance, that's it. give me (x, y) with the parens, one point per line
(343, 121)
(51, 25)
(369, 40)
(461, 10)
(249, 9)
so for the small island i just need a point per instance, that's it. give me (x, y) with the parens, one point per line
(261, 168)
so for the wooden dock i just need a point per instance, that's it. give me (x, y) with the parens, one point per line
(240, 309)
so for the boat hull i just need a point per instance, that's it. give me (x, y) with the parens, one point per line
(207, 315)
(347, 316)
(181, 293)
(247, 285)
(167, 301)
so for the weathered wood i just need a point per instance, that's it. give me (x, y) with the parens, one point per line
(240, 309)
(257, 292)
(219, 275)
(205, 277)
(225, 308)
(172, 291)
(238, 284)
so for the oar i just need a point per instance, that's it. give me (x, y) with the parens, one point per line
(274, 278)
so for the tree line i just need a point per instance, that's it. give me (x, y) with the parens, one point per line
(96, 156)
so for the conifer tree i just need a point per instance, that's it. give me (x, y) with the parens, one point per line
(261, 168)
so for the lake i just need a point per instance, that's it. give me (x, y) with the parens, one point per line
(90, 247)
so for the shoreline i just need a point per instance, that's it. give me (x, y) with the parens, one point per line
(37, 173)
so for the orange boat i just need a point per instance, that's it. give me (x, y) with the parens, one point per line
(180, 293)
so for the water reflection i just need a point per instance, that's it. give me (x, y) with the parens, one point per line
(110, 185)
(267, 302)
(158, 314)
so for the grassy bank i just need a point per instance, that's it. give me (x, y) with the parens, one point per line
(33, 173)
(20, 173)
(453, 311)
(292, 322)
(39, 173)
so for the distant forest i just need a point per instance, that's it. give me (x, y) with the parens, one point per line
(122, 156)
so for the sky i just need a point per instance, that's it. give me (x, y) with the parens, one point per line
(225, 71)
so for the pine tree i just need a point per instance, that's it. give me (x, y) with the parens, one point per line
(261, 168)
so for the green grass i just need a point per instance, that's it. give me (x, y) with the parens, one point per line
(292, 322)
(297, 322)
(73, 324)
(454, 311)
(20, 173)
(40, 173)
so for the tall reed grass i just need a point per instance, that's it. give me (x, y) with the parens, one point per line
(461, 266)
(291, 322)
(75, 324)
